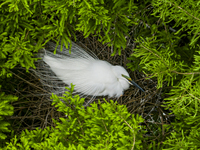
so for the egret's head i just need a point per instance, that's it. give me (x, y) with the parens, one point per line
(124, 78)
(118, 71)
(132, 82)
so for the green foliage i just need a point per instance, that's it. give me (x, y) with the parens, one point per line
(5, 110)
(101, 126)
(25, 24)
(186, 15)
(181, 140)
(169, 50)
(167, 45)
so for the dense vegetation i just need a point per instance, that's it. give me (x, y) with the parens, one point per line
(166, 35)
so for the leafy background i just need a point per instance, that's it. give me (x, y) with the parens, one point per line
(162, 38)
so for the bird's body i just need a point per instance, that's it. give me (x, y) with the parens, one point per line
(90, 75)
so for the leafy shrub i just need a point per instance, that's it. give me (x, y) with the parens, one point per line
(101, 126)
(6, 109)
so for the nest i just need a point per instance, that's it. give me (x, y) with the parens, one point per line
(34, 110)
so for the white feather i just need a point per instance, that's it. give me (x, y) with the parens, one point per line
(90, 75)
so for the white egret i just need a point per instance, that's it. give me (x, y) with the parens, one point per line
(91, 76)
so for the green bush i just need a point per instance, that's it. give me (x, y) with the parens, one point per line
(169, 50)
(166, 36)
(101, 126)
(6, 109)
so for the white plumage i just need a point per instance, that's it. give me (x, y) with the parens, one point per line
(90, 75)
